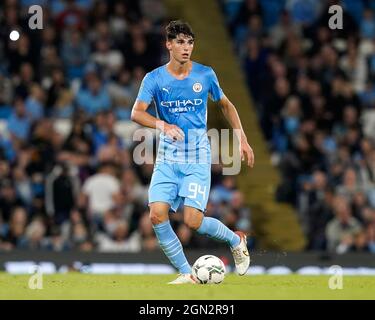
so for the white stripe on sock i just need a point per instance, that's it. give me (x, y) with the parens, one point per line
(171, 246)
(174, 254)
(217, 231)
(171, 241)
(173, 250)
(222, 232)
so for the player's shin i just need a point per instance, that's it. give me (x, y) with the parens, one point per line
(172, 247)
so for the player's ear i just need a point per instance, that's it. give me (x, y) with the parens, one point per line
(168, 44)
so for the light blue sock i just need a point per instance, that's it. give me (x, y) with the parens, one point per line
(171, 246)
(217, 230)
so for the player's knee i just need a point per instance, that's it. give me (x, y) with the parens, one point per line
(193, 222)
(156, 217)
(158, 213)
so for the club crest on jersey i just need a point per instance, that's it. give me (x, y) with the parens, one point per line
(197, 87)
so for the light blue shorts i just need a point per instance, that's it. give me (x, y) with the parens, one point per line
(177, 183)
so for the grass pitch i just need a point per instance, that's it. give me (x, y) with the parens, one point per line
(151, 287)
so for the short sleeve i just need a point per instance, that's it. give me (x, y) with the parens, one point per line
(146, 90)
(215, 92)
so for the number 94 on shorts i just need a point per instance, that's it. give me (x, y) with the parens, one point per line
(181, 183)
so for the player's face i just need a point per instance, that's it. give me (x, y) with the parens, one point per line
(181, 48)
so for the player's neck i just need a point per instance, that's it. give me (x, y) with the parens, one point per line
(179, 70)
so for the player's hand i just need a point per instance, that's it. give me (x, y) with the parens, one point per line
(173, 131)
(246, 150)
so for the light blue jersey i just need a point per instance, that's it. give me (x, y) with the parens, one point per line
(184, 104)
(182, 172)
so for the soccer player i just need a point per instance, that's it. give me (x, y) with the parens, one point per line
(182, 172)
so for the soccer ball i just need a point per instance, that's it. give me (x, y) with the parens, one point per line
(209, 269)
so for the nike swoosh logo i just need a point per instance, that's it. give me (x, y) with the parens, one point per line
(166, 90)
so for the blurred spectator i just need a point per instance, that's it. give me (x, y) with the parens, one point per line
(79, 238)
(248, 9)
(34, 103)
(254, 64)
(103, 133)
(277, 99)
(56, 241)
(122, 95)
(75, 53)
(75, 232)
(62, 186)
(44, 140)
(367, 26)
(108, 59)
(303, 12)
(353, 63)
(139, 54)
(360, 243)
(100, 192)
(242, 213)
(342, 230)
(58, 84)
(371, 237)
(71, 16)
(76, 148)
(149, 241)
(14, 236)
(63, 107)
(94, 97)
(19, 123)
(21, 52)
(319, 213)
(119, 241)
(51, 61)
(49, 51)
(8, 199)
(132, 189)
(23, 185)
(280, 31)
(98, 12)
(119, 24)
(24, 80)
(35, 234)
(224, 191)
(350, 185)
(6, 94)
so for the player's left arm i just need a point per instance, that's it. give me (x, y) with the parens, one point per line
(231, 114)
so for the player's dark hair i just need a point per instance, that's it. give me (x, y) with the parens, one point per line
(176, 27)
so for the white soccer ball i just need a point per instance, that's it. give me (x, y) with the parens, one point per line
(209, 269)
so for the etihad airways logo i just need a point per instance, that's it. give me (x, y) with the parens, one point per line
(182, 103)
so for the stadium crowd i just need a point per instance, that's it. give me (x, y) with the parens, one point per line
(314, 92)
(82, 190)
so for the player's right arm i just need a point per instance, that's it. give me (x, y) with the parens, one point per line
(140, 115)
